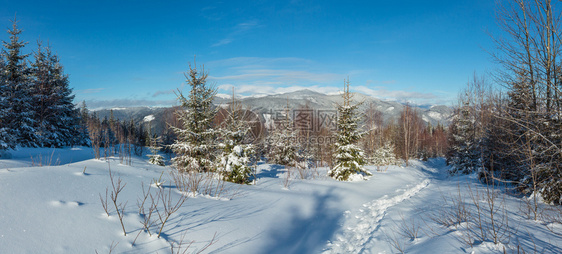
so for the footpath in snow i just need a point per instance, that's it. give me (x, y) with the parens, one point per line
(446, 214)
(359, 230)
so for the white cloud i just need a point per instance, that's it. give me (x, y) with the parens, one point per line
(222, 42)
(254, 75)
(225, 87)
(239, 63)
(237, 31)
(165, 92)
(251, 76)
(279, 77)
(90, 91)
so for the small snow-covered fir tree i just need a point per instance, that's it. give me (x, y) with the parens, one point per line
(464, 153)
(349, 158)
(237, 165)
(81, 124)
(195, 137)
(282, 146)
(154, 142)
(155, 158)
(237, 157)
(384, 155)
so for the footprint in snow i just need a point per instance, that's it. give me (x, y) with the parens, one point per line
(61, 203)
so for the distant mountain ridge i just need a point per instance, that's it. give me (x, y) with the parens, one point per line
(315, 100)
(264, 105)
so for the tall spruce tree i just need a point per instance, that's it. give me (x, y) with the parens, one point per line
(19, 119)
(349, 158)
(55, 117)
(194, 145)
(464, 150)
(6, 138)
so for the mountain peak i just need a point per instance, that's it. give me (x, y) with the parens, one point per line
(303, 93)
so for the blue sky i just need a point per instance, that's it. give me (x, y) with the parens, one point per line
(130, 53)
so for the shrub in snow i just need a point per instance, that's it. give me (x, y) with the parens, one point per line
(155, 158)
(384, 156)
(237, 158)
(237, 165)
(282, 146)
(349, 158)
(282, 150)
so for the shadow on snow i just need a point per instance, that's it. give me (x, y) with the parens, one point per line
(307, 234)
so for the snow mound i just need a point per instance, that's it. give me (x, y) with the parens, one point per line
(358, 178)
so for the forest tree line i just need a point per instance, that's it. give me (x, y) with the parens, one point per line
(513, 133)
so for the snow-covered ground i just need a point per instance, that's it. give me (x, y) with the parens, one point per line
(50, 203)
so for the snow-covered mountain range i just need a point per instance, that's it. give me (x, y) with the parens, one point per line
(315, 100)
(295, 100)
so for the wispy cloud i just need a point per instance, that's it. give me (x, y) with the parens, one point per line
(236, 63)
(254, 75)
(211, 13)
(379, 82)
(280, 76)
(90, 91)
(251, 76)
(237, 31)
(222, 42)
(165, 92)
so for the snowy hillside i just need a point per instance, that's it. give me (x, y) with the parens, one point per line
(51, 204)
